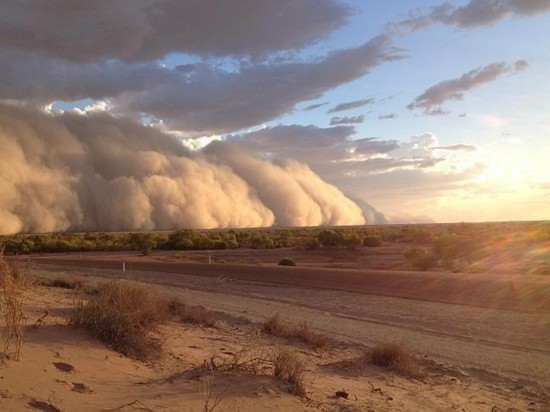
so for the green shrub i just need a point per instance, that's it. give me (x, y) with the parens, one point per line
(286, 261)
(330, 238)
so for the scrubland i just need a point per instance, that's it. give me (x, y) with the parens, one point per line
(79, 340)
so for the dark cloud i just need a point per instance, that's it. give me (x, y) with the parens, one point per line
(431, 100)
(347, 120)
(294, 137)
(481, 12)
(351, 105)
(206, 100)
(139, 30)
(314, 106)
(310, 144)
(474, 13)
(24, 76)
(387, 116)
(211, 100)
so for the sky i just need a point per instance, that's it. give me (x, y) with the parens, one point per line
(412, 111)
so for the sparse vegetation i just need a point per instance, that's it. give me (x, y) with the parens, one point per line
(395, 357)
(123, 314)
(13, 283)
(452, 246)
(64, 283)
(274, 326)
(288, 366)
(302, 333)
(196, 315)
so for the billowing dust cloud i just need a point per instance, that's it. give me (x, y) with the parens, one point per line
(94, 172)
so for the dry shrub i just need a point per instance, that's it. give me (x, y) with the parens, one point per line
(64, 283)
(302, 333)
(289, 367)
(395, 357)
(13, 284)
(197, 315)
(281, 362)
(274, 326)
(123, 314)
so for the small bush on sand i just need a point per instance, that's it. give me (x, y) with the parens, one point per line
(289, 367)
(287, 262)
(395, 357)
(123, 314)
(197, 315)
(13, 284)
(302, 333)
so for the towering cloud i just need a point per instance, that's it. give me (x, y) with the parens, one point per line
(98, 172)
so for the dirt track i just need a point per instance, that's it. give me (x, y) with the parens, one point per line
(490, 325)
(523, 293)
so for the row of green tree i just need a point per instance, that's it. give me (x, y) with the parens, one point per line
(145, 242)
(433, 243)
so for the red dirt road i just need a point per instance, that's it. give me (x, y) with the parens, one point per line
(524, 293)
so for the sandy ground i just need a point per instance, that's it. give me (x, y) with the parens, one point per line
(62, 368)
(475, 358)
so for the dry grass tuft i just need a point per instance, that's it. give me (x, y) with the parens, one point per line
(13, 283)
(290, 368)
(274, 326)
(302, 333)
(123, 314)
(197, 315)
(64, 283)
(395, 357)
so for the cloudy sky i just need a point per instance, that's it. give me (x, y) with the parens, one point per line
(418, 111)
